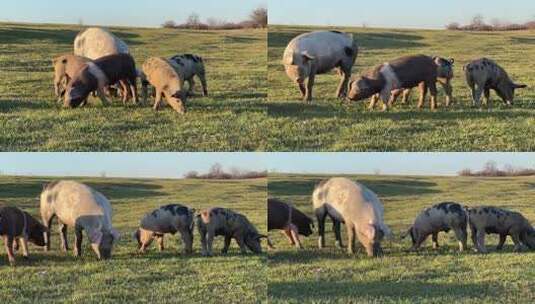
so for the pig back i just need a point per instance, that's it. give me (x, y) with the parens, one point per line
(95, 42)
(167, 219)
(77, 204)
(327, 48)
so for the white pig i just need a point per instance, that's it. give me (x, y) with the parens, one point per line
(80, 207)
(356, 206)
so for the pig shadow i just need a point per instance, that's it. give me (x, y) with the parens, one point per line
(390, 186)
(112, 190)
(292, 256)
(522, 40)
(240, 39)
(406, 290)
(310, 111)
(10, 105)
(25, 35)
(380, 40)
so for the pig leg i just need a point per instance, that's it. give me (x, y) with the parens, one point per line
(473, 93)
(321, 215)
(434, 237)
(24, 246)
(157, 99)
(422, 87)
(202, 77)
(461, 236)
(516, 240)
(159, 239)
(133, 89)
(342, 87)
(187, 239)
(124, 89)
(191, 87)
(446, 85)
(204, 249)
(337, 234)
(350, 237)
(481, 241)
(288, 234)
(503, 237)
(209, 242)
(295, 236)
(15, 246)
(486, 94)
(420, 238)
(473, 232)
(77, 241)
(406, 95)
(144, 91)
(393, 97)
(226, 245)
(373, 101)
(310, 84)
(433, 92)
(8, 243)
(63, 235)
(102, 95)
(47, 222)
(477, 95)
(241, 243)
(302, 88)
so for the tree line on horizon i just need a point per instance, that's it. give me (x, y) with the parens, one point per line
(478, 23)
(258, 18)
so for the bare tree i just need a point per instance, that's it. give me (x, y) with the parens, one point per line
(478, 20)
(169, 24)
(193, 20)
(259, 16)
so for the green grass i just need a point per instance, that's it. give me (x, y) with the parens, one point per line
(328, 125)
(168, 277)
(229, 119)
(331, 275)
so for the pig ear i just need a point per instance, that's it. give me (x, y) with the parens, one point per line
(95, 236)
(519, 86)
(369, 231)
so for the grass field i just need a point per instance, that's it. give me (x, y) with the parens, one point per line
(328, 125)
(331, 275)
(229, 119)
(167, 277)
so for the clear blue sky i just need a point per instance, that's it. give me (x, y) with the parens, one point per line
(163, 165)
(392, 163)
(396, 13)
(146, 13)
(174, 165)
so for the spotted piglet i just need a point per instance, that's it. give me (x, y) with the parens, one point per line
(171, 219)
(486, 220)
(232, 225)
(440, 217)
(484, 74)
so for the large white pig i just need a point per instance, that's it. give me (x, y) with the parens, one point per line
(356, 206)
(80, 207)
(310, 54)
(96, 42)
